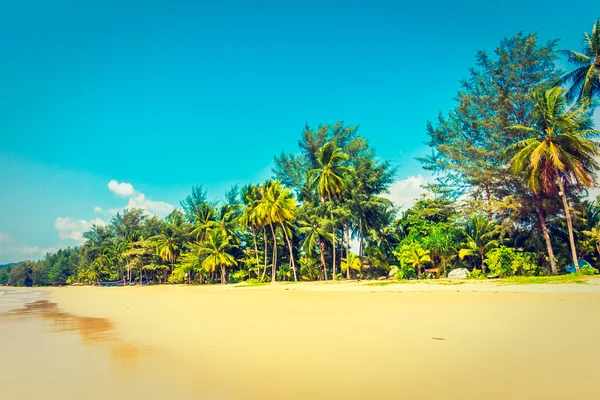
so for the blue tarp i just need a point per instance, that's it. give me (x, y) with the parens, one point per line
(572, 269)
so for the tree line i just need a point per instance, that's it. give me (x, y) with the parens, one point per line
(513, 162)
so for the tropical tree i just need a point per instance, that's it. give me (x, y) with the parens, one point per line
(584, 80)
(558, 151)
(413, 254)
(215, 250)
(480, 237)
(329, 181)
(167, 248)
(315, 230)
(250, 218)
(352, 262)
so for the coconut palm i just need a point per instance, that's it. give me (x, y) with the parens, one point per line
(559, 150)
(249, 218)
(315, 231)
(584, 81)
(278, 206)
(352, 262)
(329, 179)
(205, 218)
(167, 248)
(215, 250)
(417, 257)
(480, 234)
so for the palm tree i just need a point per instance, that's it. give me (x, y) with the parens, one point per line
(329, 179)
(417, 257)
(167, 248)
(249, 217)
(315, 231)
(480, 234)
(352, 262)
(278, 206)
(214, 249)
(560, 149)
(205, 218)
(585, 79)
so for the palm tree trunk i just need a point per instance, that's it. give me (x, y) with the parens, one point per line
(274, 264)
(322, 251)
(291, 251)
(569, 223)
(266, 252)
(482, 255)
(223, 275)
(255, 250)
(546, 236)
(347, 250)
(334, 275)
(360, 233)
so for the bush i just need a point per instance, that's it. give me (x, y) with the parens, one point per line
(588, 270)
(505, 261)
(239, 276)
(476, 274)
(403, 272)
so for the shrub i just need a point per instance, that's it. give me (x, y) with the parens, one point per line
(403, 272)
(588, 270)
(505, 261)
(239, 276)
(476, 274)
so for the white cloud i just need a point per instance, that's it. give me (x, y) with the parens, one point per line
(122, 189)
(136, 200)
(404, 192)
(73, 229)
(5, 237)
(152, 207)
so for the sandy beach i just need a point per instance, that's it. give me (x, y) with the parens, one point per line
(301, 341)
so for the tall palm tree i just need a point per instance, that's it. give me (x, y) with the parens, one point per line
(249, 217)
(278, 206)
(559, 150)
(215, 250)
(329, 180)
(585, 79)
(167, 248)
(315, 231)
(205, 218)
(480, 234)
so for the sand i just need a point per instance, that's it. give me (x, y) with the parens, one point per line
(303, 341)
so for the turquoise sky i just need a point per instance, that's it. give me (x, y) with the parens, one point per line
(158, 96)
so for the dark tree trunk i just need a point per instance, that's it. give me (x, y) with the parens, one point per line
(274, 264)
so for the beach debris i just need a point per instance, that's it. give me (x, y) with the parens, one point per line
(458, 273)
(438, 338)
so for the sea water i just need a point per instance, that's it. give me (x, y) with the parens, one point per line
(11, 299)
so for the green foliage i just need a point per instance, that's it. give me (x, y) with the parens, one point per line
(505, 261)
(588, 270)
(476, 274)
(412, 254)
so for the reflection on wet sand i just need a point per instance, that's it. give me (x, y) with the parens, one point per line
(93, 331)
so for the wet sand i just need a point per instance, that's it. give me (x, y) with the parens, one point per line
(315, 341)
